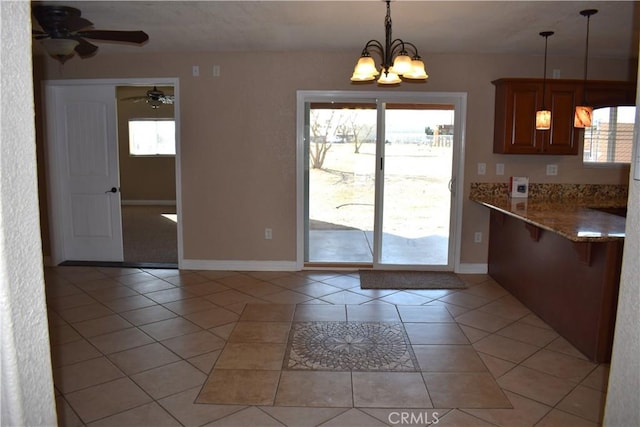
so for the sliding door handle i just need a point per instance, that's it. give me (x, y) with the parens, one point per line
(113, 190)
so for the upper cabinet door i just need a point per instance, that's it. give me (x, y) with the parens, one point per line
(562, 138)
(515, 128)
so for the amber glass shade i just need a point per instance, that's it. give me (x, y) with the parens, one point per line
(365, 70)
(582, 118)
(389, 78)
(417, 71)
(543, 120)
(402, 64)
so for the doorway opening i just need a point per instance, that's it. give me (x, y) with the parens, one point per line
(93, 176)
(146, 153)
(379, 180)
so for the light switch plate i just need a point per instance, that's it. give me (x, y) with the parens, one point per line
(552, 170)
(482, 168)
(499, 168)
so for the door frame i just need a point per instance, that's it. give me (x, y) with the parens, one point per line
(458, 99)
(55, 188)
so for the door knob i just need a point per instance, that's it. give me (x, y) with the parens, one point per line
(113, 190)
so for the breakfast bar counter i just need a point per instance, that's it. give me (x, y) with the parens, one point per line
(583, 220)
(561, 256)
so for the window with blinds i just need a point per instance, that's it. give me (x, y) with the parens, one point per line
(610, 138)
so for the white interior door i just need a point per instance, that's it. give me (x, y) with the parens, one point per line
(83, 170)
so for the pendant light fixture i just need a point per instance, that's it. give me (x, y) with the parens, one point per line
(582, 117)
(396, 61)
(543, 117)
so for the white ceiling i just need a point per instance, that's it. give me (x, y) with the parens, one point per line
(433, 26)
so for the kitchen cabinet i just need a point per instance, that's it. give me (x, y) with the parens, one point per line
(572, 286)
(610, 94)
(517, 101)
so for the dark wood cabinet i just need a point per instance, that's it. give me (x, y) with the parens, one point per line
(575, 295)
(562, 138)
(517, 101)
(610, 94)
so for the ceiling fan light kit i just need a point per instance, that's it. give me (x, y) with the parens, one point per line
(396, 62)
(154, 97)
(60, 49)
(64, 32)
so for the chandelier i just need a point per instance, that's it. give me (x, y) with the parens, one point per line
(396, 62)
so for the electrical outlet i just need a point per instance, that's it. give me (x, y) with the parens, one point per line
(477, 237)
(552, 170)
(195, 70)
(499, 168)
(482, 168)
(268, 234)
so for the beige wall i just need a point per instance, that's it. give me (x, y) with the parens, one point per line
(238, 136)
(143, 178)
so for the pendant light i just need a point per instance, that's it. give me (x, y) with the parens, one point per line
(582, 117)
(543, 117)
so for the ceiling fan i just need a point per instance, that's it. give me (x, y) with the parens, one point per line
(64, 32)
(153, 97)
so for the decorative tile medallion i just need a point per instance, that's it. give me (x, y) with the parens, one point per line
(349, 346)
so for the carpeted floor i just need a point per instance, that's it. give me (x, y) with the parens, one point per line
(387, 279)
(148, 237)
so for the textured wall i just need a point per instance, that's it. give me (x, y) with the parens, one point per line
(27, 384)
(238, 136)
(623, 400)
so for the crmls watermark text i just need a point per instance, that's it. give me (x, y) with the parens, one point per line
(412, 418)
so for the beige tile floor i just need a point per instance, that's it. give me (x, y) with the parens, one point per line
(134, 347)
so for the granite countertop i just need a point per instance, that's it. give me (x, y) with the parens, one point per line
(572, 217)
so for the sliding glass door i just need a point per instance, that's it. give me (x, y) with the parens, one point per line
(341, 182)
(416, 173)
(378, 181)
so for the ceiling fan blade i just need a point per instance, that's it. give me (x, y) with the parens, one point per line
(39, 35)
(84, 48)
(134, 98)
(76, 23)
(120, 36)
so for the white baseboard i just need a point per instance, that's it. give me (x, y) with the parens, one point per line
(472, 269)
(148, 203)
(203, 264)
(200, 264)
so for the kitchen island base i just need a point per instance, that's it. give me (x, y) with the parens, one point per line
(572, 286)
